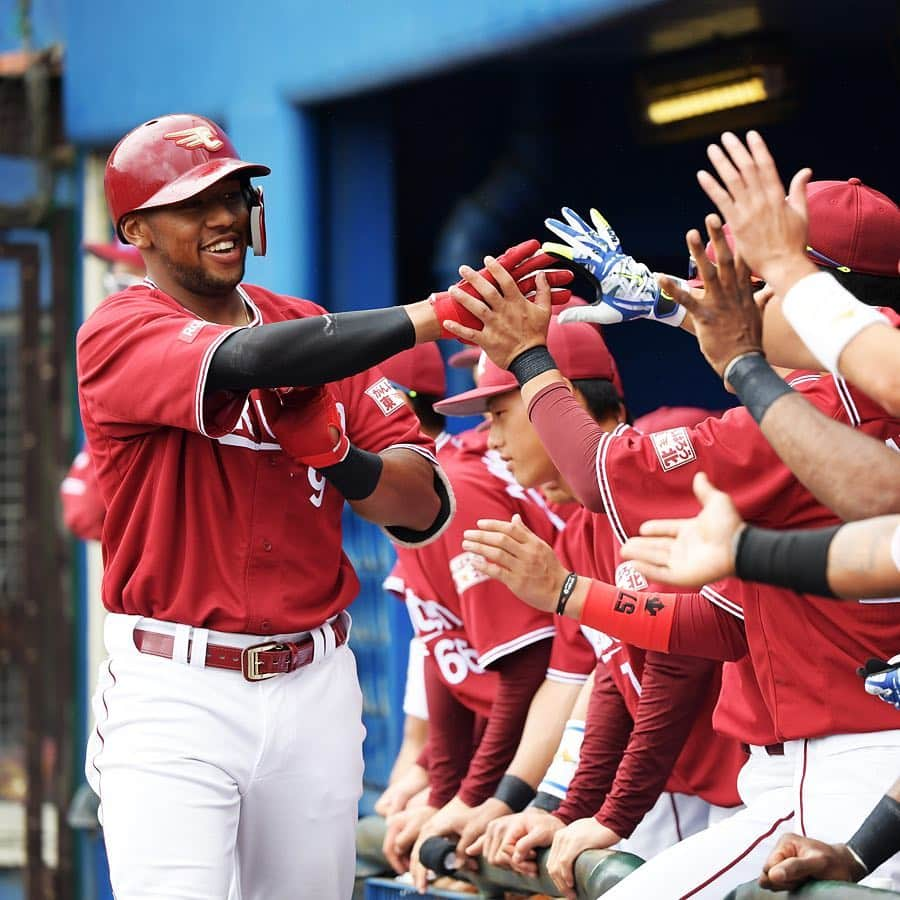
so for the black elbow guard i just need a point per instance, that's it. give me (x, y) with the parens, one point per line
(409, 537)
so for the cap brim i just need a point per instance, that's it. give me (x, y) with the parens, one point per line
(200, 178)
(112, 253)
(471, 403)
(464, 359)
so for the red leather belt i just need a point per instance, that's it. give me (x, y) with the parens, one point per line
(771, 749)
(257, 662)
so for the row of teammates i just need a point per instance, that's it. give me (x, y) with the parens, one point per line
(697, 730)
(574, 696)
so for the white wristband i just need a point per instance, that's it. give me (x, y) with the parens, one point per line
(565, 762)
(827, 316)
(895, 548)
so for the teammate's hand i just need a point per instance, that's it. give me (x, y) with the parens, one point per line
(689, 552)
(470, 842)
(769, 229)
(449, 819)
(725, 317)
(509, 323)
(500, 836)
(796, 859)
(625, 288)
(569, 843)
(540, 834)
(517, 557)
(308, 425)
(396, 796)
(522, 263)
(402, 830)
(886, 684)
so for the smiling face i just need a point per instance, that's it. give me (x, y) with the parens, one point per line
(200, 244)
(516, 440)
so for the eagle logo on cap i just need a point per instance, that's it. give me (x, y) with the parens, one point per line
(195, 138)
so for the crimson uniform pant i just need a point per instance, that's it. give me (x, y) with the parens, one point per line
(823, 788)
(209, 783)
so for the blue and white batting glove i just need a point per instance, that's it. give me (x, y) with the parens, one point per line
(626, 289)
(886, 684)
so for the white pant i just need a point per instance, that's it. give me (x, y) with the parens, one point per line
(823, 788)
(205, 777)
(671, 819)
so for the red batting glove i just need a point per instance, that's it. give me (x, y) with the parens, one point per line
(308, 425)
(523, 263)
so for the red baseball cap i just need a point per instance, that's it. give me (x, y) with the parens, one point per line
(117, 252)
(419, 369)
(694, 279)
(464, 359)
(579, 351)
(853, 227)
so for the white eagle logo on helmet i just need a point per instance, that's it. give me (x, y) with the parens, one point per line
(196, 137)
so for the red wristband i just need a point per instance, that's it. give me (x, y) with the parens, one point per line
(642, 618)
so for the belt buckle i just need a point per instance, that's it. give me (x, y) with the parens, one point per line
(250, 661)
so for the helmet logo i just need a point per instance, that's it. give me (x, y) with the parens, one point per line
(196, 137)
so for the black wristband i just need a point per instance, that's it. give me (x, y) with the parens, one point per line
(878, 838)
(514, 792)
(756, 383)
(568, 586)
(357, 475)
(547, 802)
(531, 363)
(793, 559)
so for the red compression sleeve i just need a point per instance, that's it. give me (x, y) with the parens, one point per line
(450, 729)
(521, 674)
(642, 618)
(571, 437)
(607, 728)
(688, 624)
(673, 690)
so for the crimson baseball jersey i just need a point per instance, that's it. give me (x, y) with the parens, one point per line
(804, 649)
(208, 522)
(82, 506)
(708, 762)
(466, 619)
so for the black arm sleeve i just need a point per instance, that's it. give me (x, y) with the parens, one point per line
(312, 351)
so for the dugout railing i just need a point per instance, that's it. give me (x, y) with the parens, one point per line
(596, 871)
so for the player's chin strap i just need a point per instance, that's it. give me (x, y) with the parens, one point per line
(254, 197)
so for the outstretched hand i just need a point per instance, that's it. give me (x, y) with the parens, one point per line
(726, 319)
(511, 323)
(517, 557)
(689, 552)
(770, 230)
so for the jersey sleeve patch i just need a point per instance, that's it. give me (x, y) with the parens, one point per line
(628, 577)
(385, 396)
(464, 573)
(673, 448)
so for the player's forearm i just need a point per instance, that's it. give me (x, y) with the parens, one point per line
(568, 433)
(846, 470)
(673, 690)
(607, 730)
(407, 493)
(311, 351)
(521, 673)
(547, 715)
(871, 361)
(864, 559)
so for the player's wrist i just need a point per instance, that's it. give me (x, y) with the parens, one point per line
(424, 319)
(755, 382)
(781, 273)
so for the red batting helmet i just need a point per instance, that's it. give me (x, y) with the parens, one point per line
(172, 158)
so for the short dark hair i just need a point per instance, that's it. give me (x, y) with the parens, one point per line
(873, 290)
(602, 397)
(423, 407)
